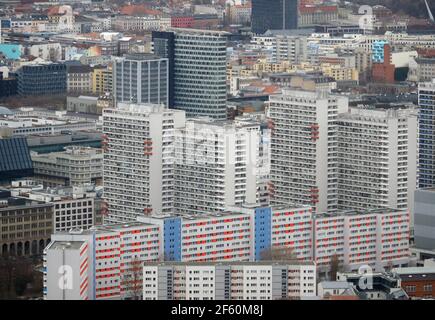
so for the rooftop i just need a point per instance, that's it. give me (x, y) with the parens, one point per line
(238, 263)
(63, 245)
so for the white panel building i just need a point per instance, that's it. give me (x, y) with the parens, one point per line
(377, 152)
(105, 261)
(219, 164)
(304, 147)
(138, 159)
(378, 238)
(229, 281)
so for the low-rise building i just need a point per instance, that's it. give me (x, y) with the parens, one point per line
(74, 166)
(107, 259)
(266, 280)
(418, 282)
(26, 225)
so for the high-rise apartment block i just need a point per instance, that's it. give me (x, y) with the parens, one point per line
(274, 15)
(304, 143)
(377, 157)
(426, 102)
(197, 60)
(138, 169)
(267, 280)
(218, 164)
(141, 78)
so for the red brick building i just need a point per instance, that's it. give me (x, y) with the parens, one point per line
(384, 71)
(418, 282)
(182, 21)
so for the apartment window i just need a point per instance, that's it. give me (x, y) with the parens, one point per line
(410, 288)
(427, 287)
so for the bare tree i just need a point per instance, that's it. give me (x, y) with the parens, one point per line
(334, 267)
(132, 280)
(278, 253)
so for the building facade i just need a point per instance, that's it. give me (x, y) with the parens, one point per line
(274, 15)
(424, 219)
(42, 79)
(26, 225)
(138, 159)
(284, 280)
(141, 78)
(219, 164)
(108, 261)
(426, 163)
(377, 152)
(377, 238)
(303, 147)
(74, 166)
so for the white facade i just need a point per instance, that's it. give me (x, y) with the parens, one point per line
(377, 155)
(229, 281)
(110, 264)
(377, 238)
(304, 147)
(66, 266)
(74, 166)
(218, 164)
(138, 159)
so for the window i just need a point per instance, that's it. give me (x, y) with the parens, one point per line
(410, 288)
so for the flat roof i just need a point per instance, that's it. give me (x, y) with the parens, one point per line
(229, 263)
(62, 245)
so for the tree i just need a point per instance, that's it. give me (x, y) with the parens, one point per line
(131, 281)
(334, 267)
(278, 253)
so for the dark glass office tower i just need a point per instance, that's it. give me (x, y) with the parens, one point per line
(274, 15)
(197, 70)
(164, 46)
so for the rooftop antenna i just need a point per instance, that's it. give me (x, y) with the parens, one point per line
(429, 12)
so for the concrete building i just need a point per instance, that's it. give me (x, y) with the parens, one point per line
(79, 79)
(71, 259)
(377, 238)
(424, 69)
(245, 233)
(426, 163)
(312, 15)
(82, 104)
(74, 166)
(106, 262)
(424, 219)
(73, 207)
(138, 159)
(285, 45)
(141, 78)
(26, 225)
(229, 281)
(220, 164)
(303, 149)
(102, 80)
(377, 157)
